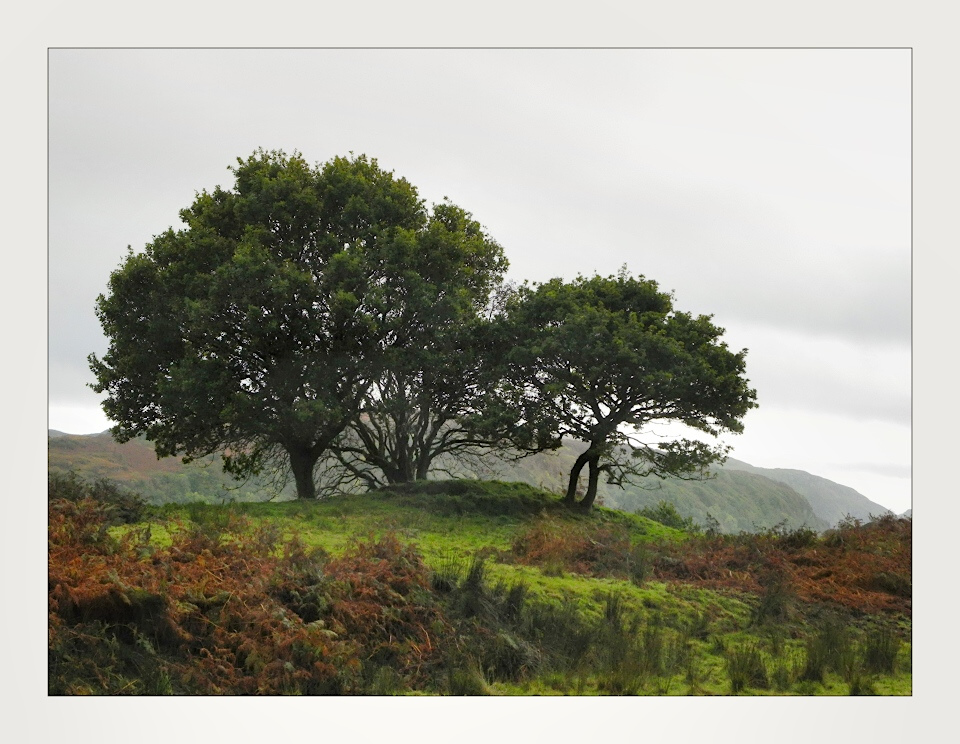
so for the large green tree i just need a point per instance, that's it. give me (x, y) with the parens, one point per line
(261, 329)
(601, 359)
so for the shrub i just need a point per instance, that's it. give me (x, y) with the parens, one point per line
(777, 598)
(120, 505)
(666, 514)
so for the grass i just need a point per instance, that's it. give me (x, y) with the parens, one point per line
(531, 597)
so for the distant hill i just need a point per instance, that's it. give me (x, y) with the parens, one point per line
(739, 501)
(741, 497)
(831, 501)
(134, 464)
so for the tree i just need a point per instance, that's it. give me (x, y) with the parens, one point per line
(600, 359)
(260, 328)
(438, 374)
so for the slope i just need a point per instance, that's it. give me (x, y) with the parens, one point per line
(831, 501)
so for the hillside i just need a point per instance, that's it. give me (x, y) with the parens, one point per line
(134, 464)
(831, 501)
(465, 588)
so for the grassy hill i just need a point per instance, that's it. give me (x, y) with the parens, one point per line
(465, 588)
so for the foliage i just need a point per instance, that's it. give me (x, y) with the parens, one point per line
(491, 498)
(880, 650)
(440, 366)
(123, 506)
(666, 513)
(584, 548)
(230, 613)
(844, 568)
(598, 358)
(746, 668)
(266, 326)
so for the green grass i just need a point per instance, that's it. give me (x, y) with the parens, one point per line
(665, 638)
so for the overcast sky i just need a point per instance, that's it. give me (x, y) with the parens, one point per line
(770, 188)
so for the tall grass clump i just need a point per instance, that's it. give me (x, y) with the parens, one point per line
(880, 650)
(831, 648)
(621, 659)
(746, 668)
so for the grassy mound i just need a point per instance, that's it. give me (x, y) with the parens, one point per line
(490, 498)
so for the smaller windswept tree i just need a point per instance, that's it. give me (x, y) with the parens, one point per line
(600, 359)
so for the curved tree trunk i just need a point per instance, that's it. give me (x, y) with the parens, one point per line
(571, 496)
(590, 496)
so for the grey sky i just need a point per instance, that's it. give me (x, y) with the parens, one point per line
(770, 188)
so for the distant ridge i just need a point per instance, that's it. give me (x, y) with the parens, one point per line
(831, 501)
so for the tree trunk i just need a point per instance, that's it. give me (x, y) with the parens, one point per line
(301, 463)
(571, 498)
(586, 503)
(423, 467)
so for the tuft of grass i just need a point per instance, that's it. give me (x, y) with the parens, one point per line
(746, 668)
(880, 650)
(467, 681)
(777, 600)
(830, 648)
(447, 572)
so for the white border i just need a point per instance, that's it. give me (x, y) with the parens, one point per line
(923, 25)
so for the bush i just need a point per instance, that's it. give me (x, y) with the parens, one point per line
(590, 548)
(120, 505)
(666, 514)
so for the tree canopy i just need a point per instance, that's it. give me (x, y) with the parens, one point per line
(323, 314)
(599, 359)
(264, 326)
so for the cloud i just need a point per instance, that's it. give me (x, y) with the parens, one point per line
(769, 188)
(829, 375)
